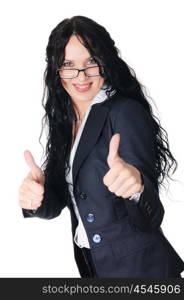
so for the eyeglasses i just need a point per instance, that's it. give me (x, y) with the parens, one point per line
(73, 73)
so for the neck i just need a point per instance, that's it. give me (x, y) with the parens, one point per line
(80, 109)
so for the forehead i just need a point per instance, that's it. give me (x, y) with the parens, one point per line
(74, 49)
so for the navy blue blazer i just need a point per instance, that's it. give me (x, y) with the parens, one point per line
(125, 237)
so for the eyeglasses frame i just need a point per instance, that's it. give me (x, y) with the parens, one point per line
(79, 70)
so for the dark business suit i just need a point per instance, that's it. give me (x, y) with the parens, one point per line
(125, 237)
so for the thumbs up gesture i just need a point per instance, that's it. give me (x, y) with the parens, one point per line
(122, 178)
(31, 191)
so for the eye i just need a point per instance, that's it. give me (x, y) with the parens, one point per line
(92, 61)
(67, 64)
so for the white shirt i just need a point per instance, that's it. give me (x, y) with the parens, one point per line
(80, 236)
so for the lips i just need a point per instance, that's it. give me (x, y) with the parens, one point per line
(82, 87)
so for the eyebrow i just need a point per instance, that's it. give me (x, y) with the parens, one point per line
(73, 60)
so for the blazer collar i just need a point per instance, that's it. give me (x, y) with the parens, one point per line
(90, 134)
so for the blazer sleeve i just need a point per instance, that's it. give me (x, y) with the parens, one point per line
(137, 147)
(55, 199)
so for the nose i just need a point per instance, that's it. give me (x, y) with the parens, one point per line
(82, 77)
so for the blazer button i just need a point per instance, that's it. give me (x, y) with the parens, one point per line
(83, 196)
(90, 218)
(96, 238)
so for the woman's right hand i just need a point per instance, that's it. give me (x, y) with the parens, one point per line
(31, 191)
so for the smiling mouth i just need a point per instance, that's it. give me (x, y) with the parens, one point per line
(82, 87)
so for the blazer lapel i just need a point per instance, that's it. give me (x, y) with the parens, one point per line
(90, 134)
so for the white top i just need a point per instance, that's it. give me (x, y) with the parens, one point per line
(80, 237)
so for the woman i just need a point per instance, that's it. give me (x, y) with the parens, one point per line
(106, 158)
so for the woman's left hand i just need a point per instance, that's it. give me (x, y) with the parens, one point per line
(122, 179)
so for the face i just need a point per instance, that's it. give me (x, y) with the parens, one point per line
(82, 88)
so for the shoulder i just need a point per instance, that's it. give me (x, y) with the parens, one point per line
(118, 102)
(127, 109)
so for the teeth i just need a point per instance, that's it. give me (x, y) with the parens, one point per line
(83, 86)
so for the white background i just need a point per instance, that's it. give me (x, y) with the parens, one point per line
(150, 37)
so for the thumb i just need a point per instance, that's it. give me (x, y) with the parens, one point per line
(113, 149)
(35, 170)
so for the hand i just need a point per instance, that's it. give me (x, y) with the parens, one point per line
(122, 179)
(31, 191)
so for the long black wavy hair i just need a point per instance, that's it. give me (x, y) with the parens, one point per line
(59, 110)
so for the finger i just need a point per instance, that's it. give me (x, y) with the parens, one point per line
(128, 189)
(129, 192)
(113, 149)
(27, 193)
(29, 200)
(35, 170)
(28, 203)
(114, 173)
(41, 179)
(119, 182)
(33, 186)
